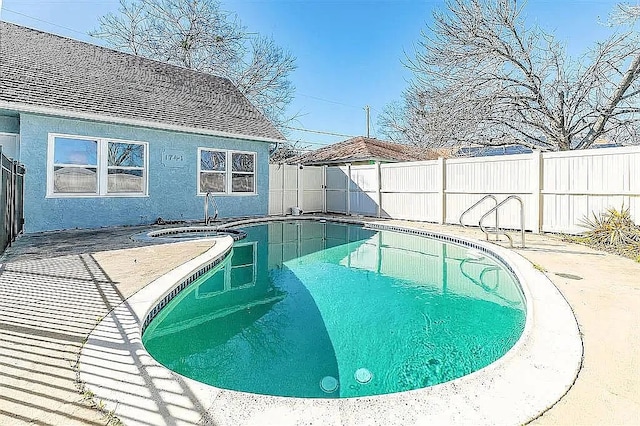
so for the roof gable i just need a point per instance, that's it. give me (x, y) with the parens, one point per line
(49, 71)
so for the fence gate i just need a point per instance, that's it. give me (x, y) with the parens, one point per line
(337, 188)
(295, 186)
(311, 198)
(363, 191)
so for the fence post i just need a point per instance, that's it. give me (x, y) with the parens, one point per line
(348, 189)
(12, 203)
(324, 189)
(536, 190)
(4, 203)
(442, 186)
(282, 190)
(300, 197)
(379, 189)
(19, 194)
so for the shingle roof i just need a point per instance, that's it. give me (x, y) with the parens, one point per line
(363, 149)
(49, 71)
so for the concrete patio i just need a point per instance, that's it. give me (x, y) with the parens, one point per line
(55, 287)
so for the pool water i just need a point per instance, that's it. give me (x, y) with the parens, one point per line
(327, 310)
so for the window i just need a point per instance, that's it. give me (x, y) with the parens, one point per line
(213, 171)
(75, 166)
(82, 166)
(242, 172)
(243, 273)
(226, 172)
(125, 168)
(238, 272)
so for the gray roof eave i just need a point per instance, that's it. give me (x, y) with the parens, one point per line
(34, 109)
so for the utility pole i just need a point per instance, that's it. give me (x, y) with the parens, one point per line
(366, 108)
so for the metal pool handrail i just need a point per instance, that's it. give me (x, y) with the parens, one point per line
(209, 196)
(480, 282)
(496, 231)
(476, 204)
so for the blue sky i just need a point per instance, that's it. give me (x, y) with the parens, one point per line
(349, 52)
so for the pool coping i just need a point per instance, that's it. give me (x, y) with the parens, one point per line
(517, 388)
(165, 235)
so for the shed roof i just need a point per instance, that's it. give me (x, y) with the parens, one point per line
(40, 72)
(362, 148)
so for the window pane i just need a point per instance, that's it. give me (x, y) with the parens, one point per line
(120, 180)
(213, 160)
(241, 276)
(75, 151)
(212, 285)
(75, 180)
(242, 183)
(126, 154)
(211, 182)
(242, 162)
(242, 255)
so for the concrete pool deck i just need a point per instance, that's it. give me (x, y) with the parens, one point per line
(42, 329)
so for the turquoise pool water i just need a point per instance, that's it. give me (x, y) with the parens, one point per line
(327, 310)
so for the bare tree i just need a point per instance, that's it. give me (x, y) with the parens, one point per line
(481, 76)
(398, 123)
(125, 154)
(283, 151)
(625, 13)
(198, 34)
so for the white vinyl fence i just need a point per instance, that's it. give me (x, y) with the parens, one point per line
(558, 189)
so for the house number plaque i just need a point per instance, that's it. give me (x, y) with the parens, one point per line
(173, 158)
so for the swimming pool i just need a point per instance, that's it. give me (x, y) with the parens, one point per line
(329, 310)
(529, 379)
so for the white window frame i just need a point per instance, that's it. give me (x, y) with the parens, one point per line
(102, 168)
(229, 172)
(226, 170)
(228, 269)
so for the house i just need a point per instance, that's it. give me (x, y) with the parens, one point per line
(363, 150)
(109, 138)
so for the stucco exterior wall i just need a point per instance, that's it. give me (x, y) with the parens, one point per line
(172, 188)
(9, 124)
